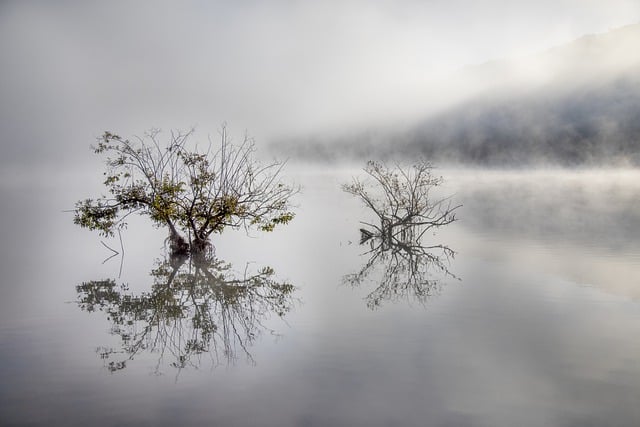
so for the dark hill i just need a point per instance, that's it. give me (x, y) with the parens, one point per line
(577, 104)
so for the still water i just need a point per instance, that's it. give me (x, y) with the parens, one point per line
(538, 323)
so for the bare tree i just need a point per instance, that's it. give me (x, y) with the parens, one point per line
(402, 201)
(401, 198)
(194, 192)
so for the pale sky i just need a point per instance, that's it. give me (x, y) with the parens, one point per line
(71, 70)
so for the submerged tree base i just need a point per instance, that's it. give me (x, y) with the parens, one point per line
(180, 248)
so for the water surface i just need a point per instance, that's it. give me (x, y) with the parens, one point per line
(539, 326)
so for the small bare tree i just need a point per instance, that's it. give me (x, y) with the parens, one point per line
(402, 201)
(401, 198)
(189, 191)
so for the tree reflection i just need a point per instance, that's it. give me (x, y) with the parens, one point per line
(401, 267)
(196, 307)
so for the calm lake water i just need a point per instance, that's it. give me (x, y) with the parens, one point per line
(539, 327)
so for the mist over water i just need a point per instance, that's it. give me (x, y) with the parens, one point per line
(296, 72)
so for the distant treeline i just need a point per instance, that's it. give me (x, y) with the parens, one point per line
(590, 125)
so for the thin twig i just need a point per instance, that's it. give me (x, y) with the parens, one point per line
(110, 248)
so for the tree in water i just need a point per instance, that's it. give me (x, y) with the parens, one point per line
(193, 193)
(403, 202)
(401, 198)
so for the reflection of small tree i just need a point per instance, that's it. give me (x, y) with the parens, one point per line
(402, 201)
(402, 267)
(198, 193)
(194, 308)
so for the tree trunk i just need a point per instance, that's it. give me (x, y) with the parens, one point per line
(199, 245)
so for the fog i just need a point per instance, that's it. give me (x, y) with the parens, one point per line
(572, 105)
(283, 70)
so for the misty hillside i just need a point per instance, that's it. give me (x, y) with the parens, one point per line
(577, 104)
